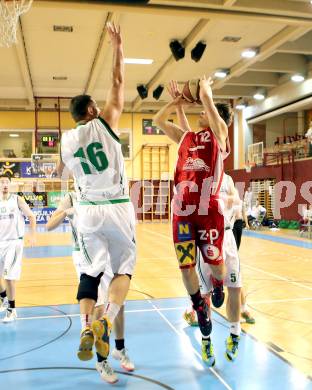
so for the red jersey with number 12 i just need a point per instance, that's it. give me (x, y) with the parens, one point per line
(200, 163)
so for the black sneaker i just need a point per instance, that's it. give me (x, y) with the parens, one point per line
(204, 321)
(217, 295)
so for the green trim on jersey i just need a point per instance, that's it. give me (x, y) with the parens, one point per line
(14, 261)
(108, 128)
(76, 249)
(100, 202)
(85, 252)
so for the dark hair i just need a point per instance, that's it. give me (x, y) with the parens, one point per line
(78, 106)
(4, 176)
(226, 112)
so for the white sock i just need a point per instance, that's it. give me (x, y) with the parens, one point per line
(244, 308)
(111, 311)
(86, 320)
(235, 328)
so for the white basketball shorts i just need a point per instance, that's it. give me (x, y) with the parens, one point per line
(11, 253)
(106, 233)
(231, 261)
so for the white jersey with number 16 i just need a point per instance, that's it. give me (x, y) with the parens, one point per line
(92, 152)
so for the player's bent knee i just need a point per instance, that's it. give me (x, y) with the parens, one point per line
(88, 287)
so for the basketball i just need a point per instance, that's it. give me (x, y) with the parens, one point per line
(190, 91)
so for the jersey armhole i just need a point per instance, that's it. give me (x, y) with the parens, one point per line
(108, 128)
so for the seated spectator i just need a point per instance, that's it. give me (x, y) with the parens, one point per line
(306, 218)
(248, 198)
(256, 214)
(308, 135)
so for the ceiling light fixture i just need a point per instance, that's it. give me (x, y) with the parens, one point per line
(240, 104)
(14, 135)
(138, 61)
(297, 78)
(259, 96)
(221, 73)
(249, 53)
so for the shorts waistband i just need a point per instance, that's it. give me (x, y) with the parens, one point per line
(101, 202)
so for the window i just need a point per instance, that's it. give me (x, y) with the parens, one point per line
(15, 143)
(149, 128)
(125, 137)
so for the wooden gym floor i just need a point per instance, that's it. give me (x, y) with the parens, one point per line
(277, 276)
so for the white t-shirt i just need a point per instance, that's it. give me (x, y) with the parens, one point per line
(12, 223)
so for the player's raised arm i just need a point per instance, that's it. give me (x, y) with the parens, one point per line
(173, 131)
(25, 209)
(174, 92)
(115, 99)
(218, 124)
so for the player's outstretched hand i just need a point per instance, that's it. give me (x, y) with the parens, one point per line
(114, 34)
(176, 94)
(205, 87)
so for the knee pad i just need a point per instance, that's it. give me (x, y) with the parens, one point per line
(88, 287)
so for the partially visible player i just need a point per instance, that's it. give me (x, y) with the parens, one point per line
(13, 208)
(197, 221)
(240, 217)
(232, 279)
(66, 208)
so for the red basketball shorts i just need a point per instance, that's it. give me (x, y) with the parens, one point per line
(203, 232)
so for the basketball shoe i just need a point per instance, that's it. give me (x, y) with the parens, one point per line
(101, 330)
(4, 304)
(123, 357)
(217, 295)
(231, 347)
(247, 317)
(106, 372)
(10, 316)
(208, 353)
(86, 344)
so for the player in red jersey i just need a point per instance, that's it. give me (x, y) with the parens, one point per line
(197, 219)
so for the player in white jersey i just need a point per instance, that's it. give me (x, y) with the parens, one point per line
(232, 278)
(66, 208)
(13, 208)
(92, 154)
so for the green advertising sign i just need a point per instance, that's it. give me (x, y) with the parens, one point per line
(54, 198)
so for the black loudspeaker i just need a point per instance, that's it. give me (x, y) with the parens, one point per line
(142, 91)
(158, 91)
(198, 51)
(177, 50)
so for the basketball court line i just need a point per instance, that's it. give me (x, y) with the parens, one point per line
(278, 240)
(78, 315)
(281, 300)
(186, 339)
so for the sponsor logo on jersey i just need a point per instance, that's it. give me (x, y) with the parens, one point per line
(195, 164)
(185, 253)
(211, 251)
(184, 231)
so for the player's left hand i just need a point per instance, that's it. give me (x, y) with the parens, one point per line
(114, 34)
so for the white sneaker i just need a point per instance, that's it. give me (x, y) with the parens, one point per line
(10, 316)
(125, 361)
(106, 372)
(4, 303)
